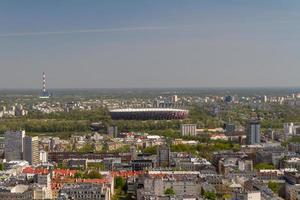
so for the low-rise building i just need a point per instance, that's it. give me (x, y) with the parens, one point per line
(82, 191)
(16, 192)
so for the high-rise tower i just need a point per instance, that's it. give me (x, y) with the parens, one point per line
(253, 132)
(45, 94)
(31, 150)
(163, 156)
(14, 145)
(44, 82)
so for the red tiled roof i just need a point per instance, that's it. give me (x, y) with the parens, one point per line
(65, 172)
(30, 170)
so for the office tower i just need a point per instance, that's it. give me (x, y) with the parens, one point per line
(188, 129)
(112, 131)
(2, 145)
(174, 98)
(253, 132)
(43, 156)
(133, 152)
(245, 165)
(31, 150)
(44, 179)
(265, 99)
(229, 128)
(228, 99)
(289, 129)
(13, 145)
(163, 156)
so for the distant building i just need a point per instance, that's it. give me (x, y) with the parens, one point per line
(154, 187)
(228, 99)
(140, 165)
(112, 131)
(297, 130)
(174, 98)
(14, 145)
(133, 152)
(16, 192)
(16, 164)
(2, 145)
(229, 128)
(289, 129)
(293, 162)
(245, 165)
(43, 156)
(253, 132)
(111, 163)
(31, 150)
(80, 191)
(265, 99)
(249, 195)
(44, 180)
(163, 156)
(188, 129)
(294, 147)
(77, 163)
(42, 192)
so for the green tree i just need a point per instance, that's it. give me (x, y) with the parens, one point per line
(227, 196)
(93, 174)
(86, 148)
(78, 175)
(273, 186)
(97, 166)
(150, 150)
(263, 166)
(120, 182)
(210, 195)
(169, 191)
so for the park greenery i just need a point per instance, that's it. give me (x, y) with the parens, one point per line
(120, 189)
(203, 150)
(89, 174)
(272, 116)
(273, 186)
(294, 139)
(79, 121)
(210, 195)
(150, 150)
(261, 166)
(169, 192)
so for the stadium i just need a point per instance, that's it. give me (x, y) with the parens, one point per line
(148, 114)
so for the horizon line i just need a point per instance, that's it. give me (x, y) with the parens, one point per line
(188, 87)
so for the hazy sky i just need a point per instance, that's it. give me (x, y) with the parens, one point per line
(149, 43)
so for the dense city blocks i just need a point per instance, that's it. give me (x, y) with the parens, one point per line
(149, 100)
(243, 147)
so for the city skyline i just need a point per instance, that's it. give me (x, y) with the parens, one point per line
(144, 44)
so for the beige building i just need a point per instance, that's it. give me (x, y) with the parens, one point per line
(31, 150)
(16, 192)
(180, 185)
(80, 191)
(188, 129)
(293, 192)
